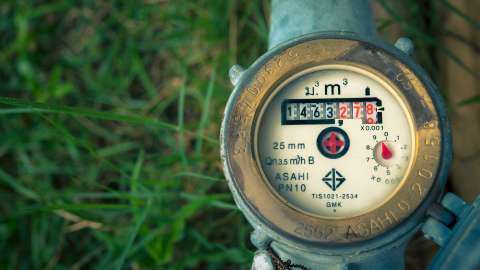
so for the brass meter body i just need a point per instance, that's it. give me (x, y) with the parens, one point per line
(278, 161)
(334, 145)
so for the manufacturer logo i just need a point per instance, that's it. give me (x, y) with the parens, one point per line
(333, 179)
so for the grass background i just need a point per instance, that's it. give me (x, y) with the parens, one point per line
(109, 118)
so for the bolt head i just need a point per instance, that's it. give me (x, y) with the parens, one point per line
(405, 45)
(262, 261)
(235, 73)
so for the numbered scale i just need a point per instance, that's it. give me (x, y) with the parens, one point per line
(332, 141)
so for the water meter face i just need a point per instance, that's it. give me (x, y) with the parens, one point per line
(334, 142)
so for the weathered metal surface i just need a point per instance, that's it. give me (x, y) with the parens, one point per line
(460, 243)
(262, 261)
(235, 73)
(260, 239)
(239, 141)
(340, 32)
(405, 45)
(292, 19)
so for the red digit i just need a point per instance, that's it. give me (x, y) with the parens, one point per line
(343, 111)
(357, 108)
(369, 108)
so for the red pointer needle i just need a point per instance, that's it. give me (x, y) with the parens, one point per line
(386, 153)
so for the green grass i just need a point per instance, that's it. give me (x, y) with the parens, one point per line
(109, 121)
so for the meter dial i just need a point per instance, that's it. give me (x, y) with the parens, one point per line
(334, 142)
(389, 158)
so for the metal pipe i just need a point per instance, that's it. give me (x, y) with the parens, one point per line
(292, 19)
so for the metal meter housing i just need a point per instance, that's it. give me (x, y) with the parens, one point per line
(287, 222)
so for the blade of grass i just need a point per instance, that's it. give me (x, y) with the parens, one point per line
(455, 10)
(470, 43)
(469, 101)
(204, 120)
(117, 149)
(20, 110)
(136, 171)
(428, 39)
(133, 234)
(23, 211)
(17, 187)
(70, 138)
(130, 119)
(199, 176)
(87, 257)
(181, 124)
(134, 186)
(143, 76)
(233, 32)
(139, 195)
(145, 241)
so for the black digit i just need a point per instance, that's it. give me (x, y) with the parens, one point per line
(304, 112)
(316, 113)
(329, 112)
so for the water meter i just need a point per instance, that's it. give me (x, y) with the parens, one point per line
(335, 140)
(335, 144)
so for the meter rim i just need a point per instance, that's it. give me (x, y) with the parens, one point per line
(409, 224)
(362, 70)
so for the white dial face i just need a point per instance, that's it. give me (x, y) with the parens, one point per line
(334, 142)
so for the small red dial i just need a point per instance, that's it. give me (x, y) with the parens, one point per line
(386, 152)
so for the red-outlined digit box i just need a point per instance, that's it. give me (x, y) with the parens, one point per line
(370, 113)
(357, 110)
(344, 110)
